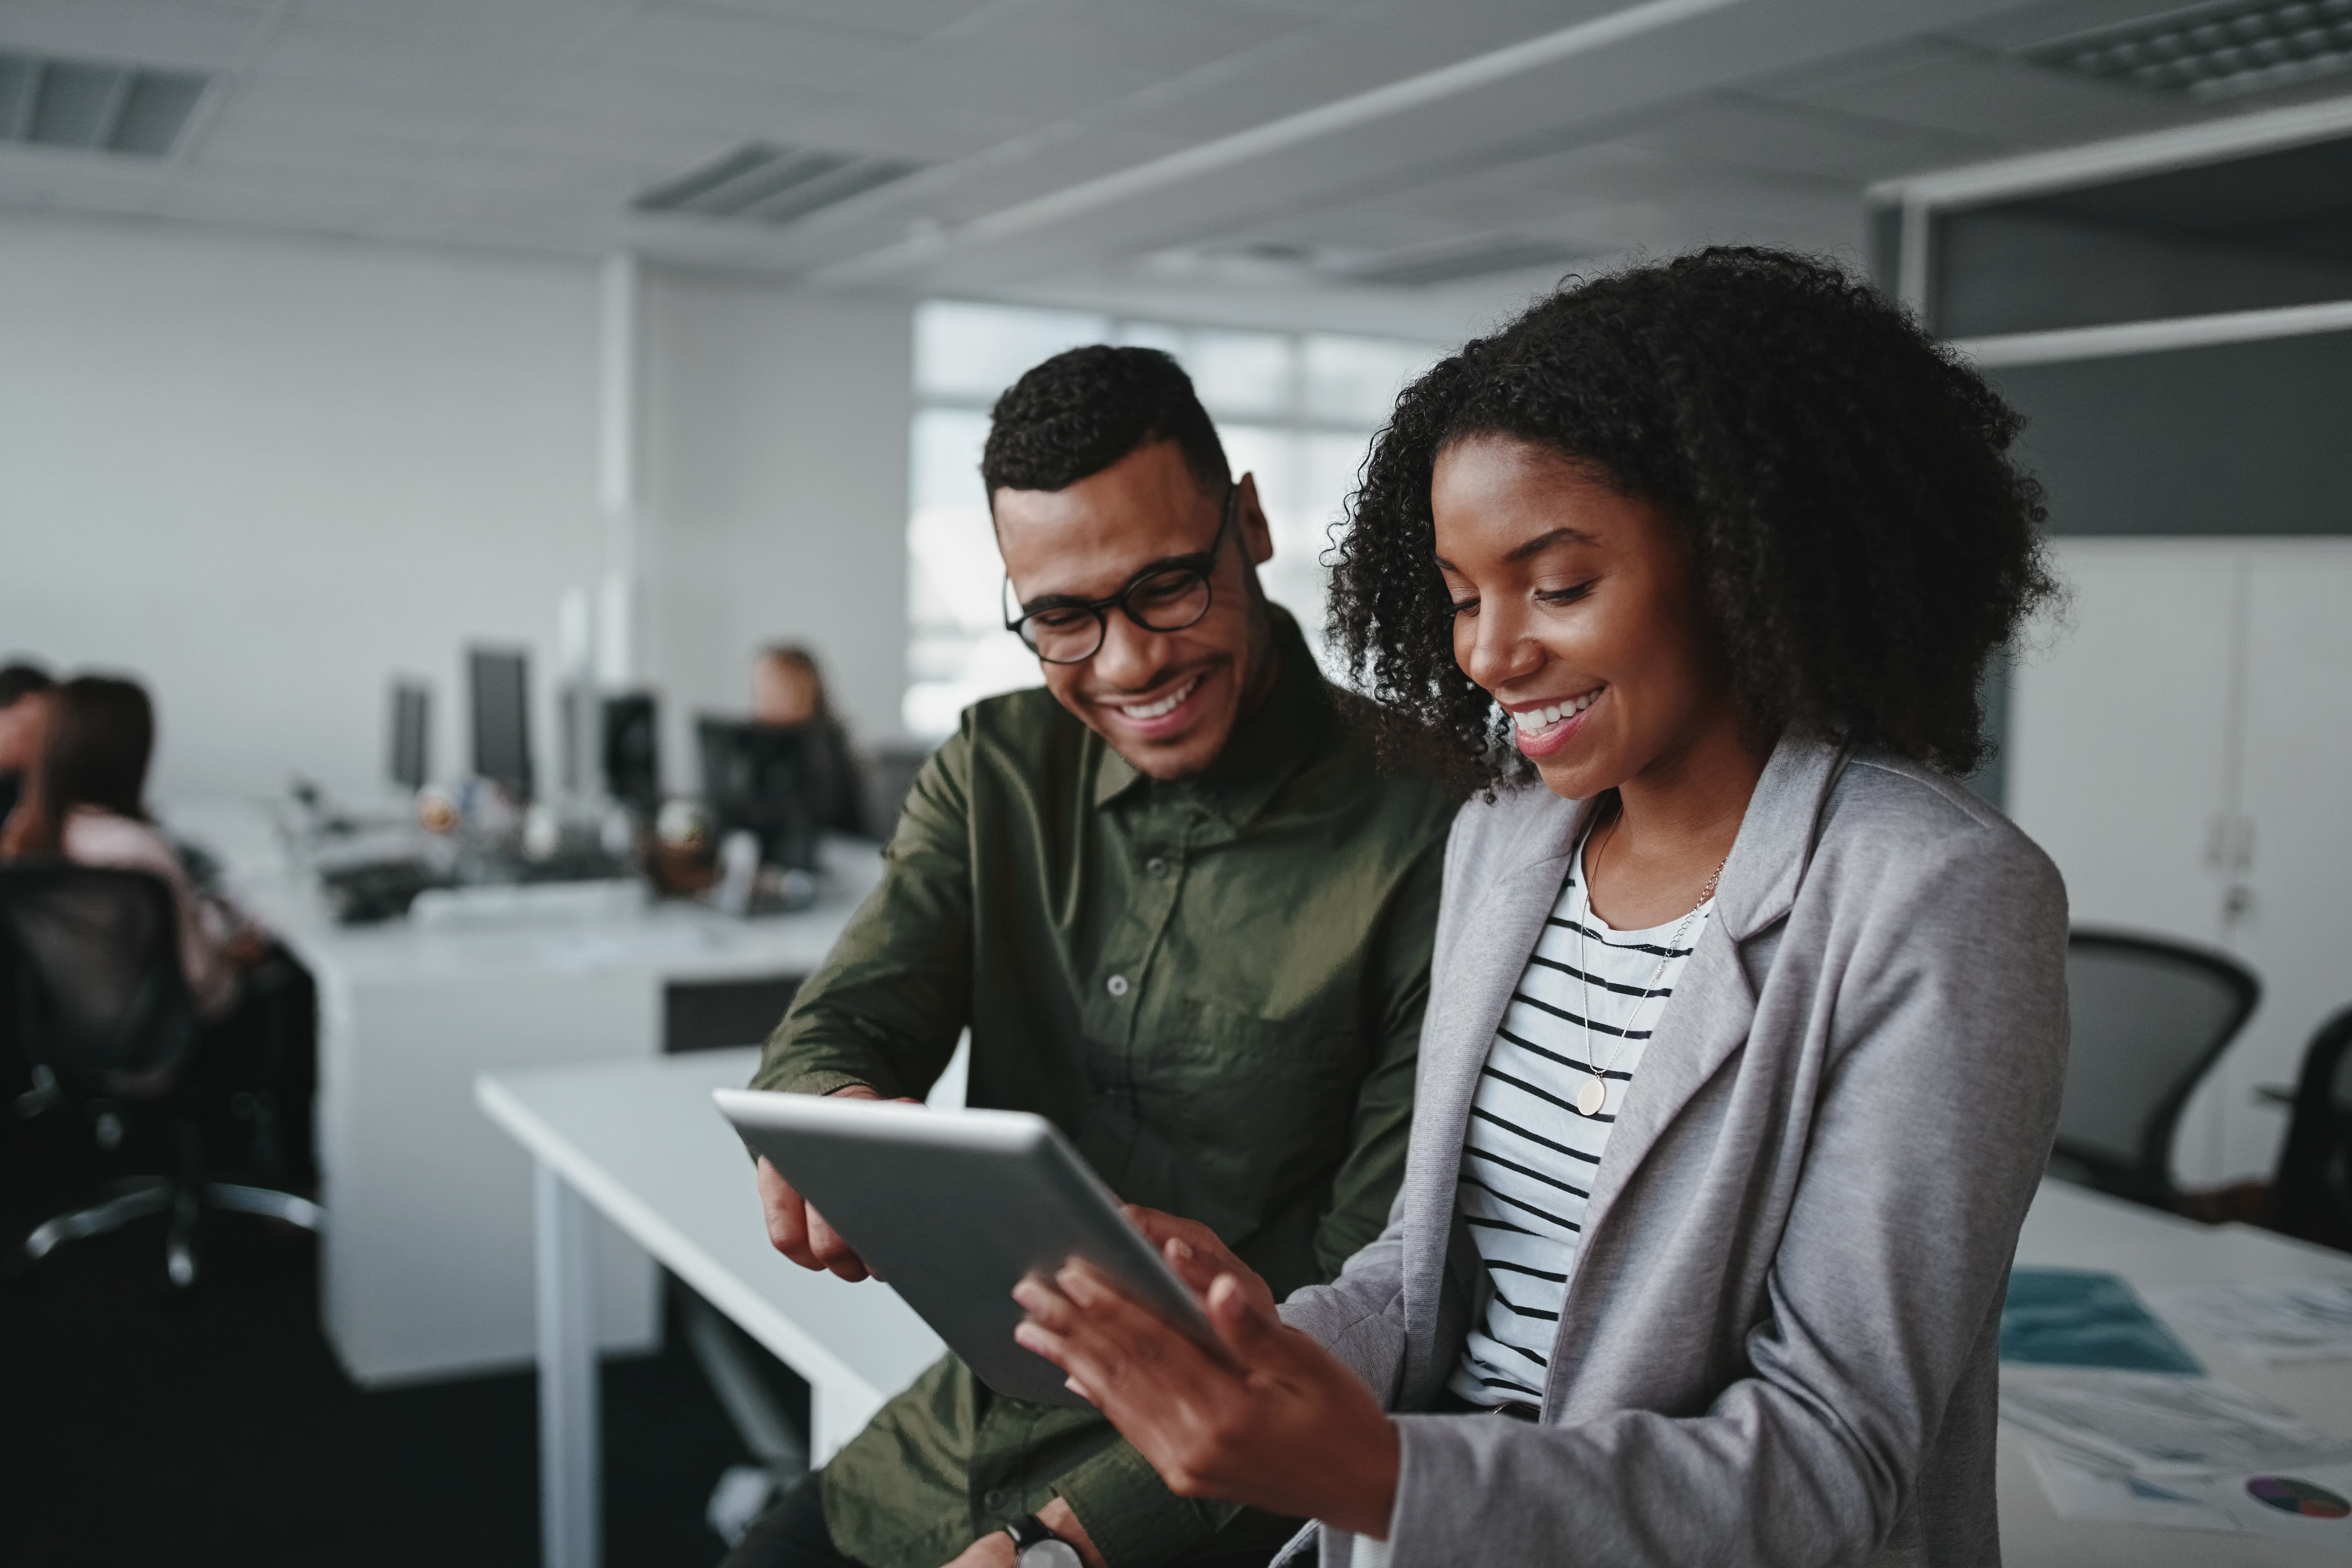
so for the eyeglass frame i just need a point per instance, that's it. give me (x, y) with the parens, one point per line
(1201, 563)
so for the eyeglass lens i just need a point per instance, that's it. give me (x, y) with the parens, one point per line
(1163, 602)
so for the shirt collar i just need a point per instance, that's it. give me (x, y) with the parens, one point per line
(1265, 748)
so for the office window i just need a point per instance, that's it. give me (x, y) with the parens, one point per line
(1295, 409)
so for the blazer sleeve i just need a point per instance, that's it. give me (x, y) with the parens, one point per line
(1360, 1316)
(1942, 993)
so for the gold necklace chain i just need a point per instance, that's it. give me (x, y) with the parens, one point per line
(1594, 1095)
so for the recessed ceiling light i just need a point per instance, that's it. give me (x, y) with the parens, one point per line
(773, 183)
(94, 106)
(2219, 50)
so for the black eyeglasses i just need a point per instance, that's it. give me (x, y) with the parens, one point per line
(1165, 596)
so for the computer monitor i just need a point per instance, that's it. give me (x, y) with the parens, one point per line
(411, 715)
(756, 778)
(499, 680)
(631, 749)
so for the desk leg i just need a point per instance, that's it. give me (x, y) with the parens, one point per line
(567, 1422)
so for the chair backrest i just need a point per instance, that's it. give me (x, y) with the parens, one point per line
(2311, 1196)
(2149, 1016)
(100, 998)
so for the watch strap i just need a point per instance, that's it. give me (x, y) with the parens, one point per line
(1027, 1532)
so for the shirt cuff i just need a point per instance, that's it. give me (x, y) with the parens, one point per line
(1130, 1514)
(814, 1080)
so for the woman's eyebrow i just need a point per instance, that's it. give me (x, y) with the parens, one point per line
(1543, 542)
(1535, 546)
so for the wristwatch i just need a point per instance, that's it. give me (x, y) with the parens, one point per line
(1034, 1546)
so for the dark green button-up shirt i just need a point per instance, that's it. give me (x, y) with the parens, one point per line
(1214, 986)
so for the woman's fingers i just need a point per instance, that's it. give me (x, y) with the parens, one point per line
(1084, 1324)
(1240, 1318)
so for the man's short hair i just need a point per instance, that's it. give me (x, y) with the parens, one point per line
(22, 680)
(1083, 410)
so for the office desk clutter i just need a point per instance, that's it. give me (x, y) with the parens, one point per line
(462, 851)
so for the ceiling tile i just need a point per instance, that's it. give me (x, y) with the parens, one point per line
(1048, 59)
(330, 49)
(361, 156)
(2019, 26)
(1948, 87)
(743, 44)
(204, 35)
(908, 18)
(1738, 131)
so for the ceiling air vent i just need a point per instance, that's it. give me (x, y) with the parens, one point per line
(94, 106)
(773, 183)
(1494, 253)
(2219, 50)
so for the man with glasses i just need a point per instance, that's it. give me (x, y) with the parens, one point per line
(1182, 913)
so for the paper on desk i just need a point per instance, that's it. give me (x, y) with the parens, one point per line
(2155, 1425)
(2183, 1452)
(2272, 1320)
(2080, 1488)
(2299, 1506)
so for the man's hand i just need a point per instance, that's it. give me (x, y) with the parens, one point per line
(796, 1229)
(995, 1550)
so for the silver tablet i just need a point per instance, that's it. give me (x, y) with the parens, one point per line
(953, 1207)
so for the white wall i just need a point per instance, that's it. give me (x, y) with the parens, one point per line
(775, 443)
(266, 475)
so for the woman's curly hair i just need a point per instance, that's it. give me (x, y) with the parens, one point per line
(1863, 540)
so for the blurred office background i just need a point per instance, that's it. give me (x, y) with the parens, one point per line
(342, 337)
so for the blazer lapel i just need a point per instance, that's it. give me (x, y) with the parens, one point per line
(1713, 1006)
(1468, 999)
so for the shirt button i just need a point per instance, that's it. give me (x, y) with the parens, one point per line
(997, 1498)
(1156, 866)
(1117, 984)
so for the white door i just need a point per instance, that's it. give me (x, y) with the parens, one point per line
(2118, 747)
(2292, 919)
(2182, 748)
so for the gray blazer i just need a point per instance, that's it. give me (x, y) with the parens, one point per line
(1781, 1344)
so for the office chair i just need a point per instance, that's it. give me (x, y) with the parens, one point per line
(110, 1033)
(2149, 1017)
(2311, 1196)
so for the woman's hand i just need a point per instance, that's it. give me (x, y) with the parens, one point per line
(1197, 1254)
(1282, 1427)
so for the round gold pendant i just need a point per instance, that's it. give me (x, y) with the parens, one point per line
(1591, 1098)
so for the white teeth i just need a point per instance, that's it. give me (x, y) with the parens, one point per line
(1165, 706)
(1537, 720)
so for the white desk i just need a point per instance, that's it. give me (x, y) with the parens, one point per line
(427, 1263)
(2071, 1228)
(641, 1144)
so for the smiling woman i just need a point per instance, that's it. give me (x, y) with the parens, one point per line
(1859, 538)
(1745, 1022)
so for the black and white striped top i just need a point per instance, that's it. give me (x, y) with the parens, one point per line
(1528, 1157)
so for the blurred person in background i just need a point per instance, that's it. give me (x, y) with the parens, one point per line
(788, 693)
(85, 801)
(21, 686)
